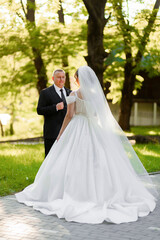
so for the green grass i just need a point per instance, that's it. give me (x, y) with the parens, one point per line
(141, 130)
(149, 155)
(18, 166)
(20, 163)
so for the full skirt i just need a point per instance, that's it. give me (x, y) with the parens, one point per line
(80, 181)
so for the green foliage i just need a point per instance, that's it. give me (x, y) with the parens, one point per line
(18, 38)
(133, 28)
(112, 56)
(49, 36)
(115, 62)
(54, 40)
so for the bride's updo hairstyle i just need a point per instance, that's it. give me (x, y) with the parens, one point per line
(76, 73)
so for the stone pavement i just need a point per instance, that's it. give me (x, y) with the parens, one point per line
(20, 222)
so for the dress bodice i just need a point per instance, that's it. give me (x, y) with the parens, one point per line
(80, 107)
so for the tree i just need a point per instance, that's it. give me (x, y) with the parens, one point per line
(13, 85)
(96, 23)
(2, 131)
(45, 42)
(38, 60)
(65, 63)
(132, 62)
(19, 36)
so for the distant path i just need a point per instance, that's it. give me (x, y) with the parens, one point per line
(24, 140)
(137, 138)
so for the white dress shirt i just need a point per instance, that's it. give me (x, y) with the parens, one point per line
(59, 92)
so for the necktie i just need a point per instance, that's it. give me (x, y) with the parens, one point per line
(62, 96)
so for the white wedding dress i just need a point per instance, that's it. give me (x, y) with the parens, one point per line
(80, 180)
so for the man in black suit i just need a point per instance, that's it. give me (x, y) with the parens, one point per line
(52, 105)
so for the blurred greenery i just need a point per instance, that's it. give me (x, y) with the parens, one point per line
(115, 45)
(18, 77)
(26, 122)
(144, 130)
(20, 163)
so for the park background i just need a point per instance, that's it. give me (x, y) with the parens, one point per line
(119, 39)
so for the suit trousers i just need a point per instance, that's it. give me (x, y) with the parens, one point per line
(48, 144)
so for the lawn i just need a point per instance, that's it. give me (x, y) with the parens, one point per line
(20, 163)
(145, 130)
(18, 166)
(149, 155)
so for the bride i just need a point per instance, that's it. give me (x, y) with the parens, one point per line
(91, 174)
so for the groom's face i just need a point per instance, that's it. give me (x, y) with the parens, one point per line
(59, 79)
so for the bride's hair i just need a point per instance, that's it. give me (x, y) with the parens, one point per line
(76, 73)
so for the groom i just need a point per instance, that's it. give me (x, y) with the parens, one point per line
(52, 105)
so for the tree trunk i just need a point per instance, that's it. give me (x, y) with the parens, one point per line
(131, 64)
(2, 131)
(127, 98)
(38, 61)
(11, 129)
(96, 23)
(65, 63)
(40, 68)
(95, 56)
(12, 113)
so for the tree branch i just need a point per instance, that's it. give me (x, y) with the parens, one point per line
(107, 19)
(20, 16)
(147, 30)
(60, 13)
(23, 8)
(125, 27)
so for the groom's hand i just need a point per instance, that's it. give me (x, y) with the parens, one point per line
(60, 106)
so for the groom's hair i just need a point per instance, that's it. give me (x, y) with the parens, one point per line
(58, 70)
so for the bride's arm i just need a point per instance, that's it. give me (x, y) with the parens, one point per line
(68, 117)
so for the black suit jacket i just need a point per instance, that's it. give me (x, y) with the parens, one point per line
(53, 119)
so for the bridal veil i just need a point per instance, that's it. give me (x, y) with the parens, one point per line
(107, 127)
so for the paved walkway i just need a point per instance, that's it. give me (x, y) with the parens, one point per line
(20, 222)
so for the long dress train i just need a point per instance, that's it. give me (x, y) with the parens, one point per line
(80, 180)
